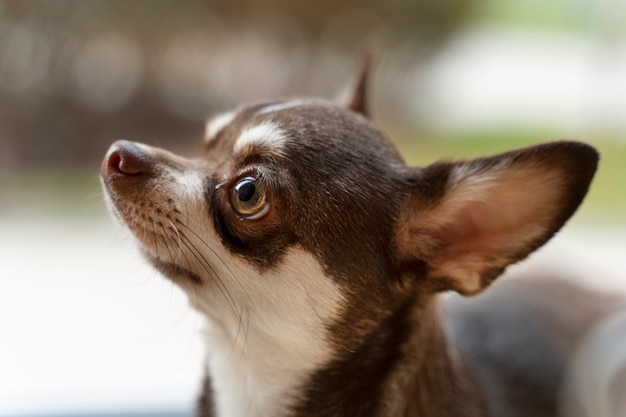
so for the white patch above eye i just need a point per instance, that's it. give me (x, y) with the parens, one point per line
(216, 124)
(266, 134)
(281, 106)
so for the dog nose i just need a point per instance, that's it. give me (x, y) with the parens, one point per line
(126, 158)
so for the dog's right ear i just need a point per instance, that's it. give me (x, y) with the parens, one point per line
(462, 224)
(355, 98)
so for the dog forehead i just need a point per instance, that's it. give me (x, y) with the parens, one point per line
(302, 132)
(249, 114)
(315, 125)
(252, 126)
(275, 126)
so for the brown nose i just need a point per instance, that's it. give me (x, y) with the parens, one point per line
(126, 158)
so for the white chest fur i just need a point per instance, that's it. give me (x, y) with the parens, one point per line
(260, 359)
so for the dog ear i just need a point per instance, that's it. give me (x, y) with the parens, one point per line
(355, 97)
(463, 223)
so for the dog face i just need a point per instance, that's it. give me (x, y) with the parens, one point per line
(277, 230)
(273, 180)
(298, 231)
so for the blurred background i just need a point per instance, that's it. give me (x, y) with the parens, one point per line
(85, 326)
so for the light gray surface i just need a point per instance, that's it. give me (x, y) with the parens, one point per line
(87, 325)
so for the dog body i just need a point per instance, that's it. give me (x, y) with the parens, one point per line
(318, 259)
(520, 336)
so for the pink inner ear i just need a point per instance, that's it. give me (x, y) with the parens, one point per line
(479, 228)
(498, 216)
(465, 231)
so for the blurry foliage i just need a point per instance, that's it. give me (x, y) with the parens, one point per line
(76, 75)
(563, 14)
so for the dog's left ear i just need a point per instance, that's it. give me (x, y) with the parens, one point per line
(355, 97)
(462, 224)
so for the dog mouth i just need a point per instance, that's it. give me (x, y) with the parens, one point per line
(159, 204)
(174, 271)
(137, 195)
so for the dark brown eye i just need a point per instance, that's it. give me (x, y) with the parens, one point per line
(249, 199)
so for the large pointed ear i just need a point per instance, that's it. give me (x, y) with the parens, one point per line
(355, 97)
(462, 224)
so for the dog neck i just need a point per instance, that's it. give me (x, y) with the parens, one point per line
(262, 351)
(406, 368)
(430, 378)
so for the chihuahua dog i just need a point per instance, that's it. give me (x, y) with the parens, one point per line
(318, 258)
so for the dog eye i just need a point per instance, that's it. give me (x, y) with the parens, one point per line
(249, 199)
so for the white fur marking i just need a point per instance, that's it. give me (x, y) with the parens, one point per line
(190, 186)
(281, 106)
(259, 363)
(216, 124)
(266, 134)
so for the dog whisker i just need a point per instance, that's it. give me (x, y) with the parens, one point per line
(211, 273)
